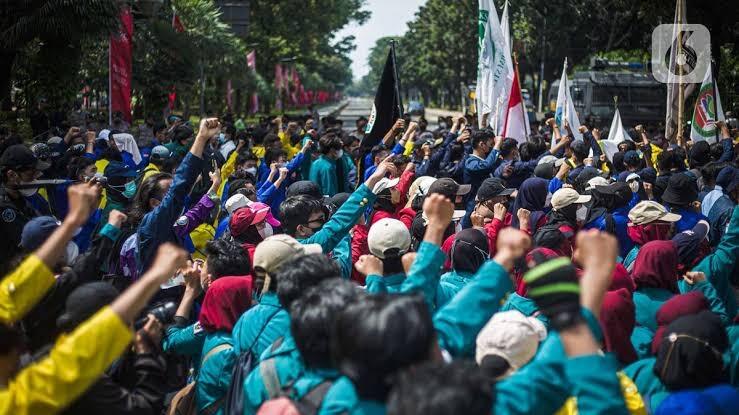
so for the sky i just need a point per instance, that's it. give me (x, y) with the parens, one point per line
(389, 17)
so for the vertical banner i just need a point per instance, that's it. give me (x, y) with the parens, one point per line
(229, 90)
(251, 63)
(278, 87)
(119, 81)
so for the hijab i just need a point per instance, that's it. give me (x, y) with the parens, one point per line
(469, 250)
(226, 299)
(690, 353)
(621, 279)
(656, 266)
(617, 319)
(532, 195)
(680, 305)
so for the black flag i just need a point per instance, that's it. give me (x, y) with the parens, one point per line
(386, 109)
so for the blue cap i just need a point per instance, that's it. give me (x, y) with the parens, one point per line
(118, 169)
(631, 157)
(37, 230)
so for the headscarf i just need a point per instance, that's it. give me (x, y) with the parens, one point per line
(656, 266)
(690, 354)
(617, 319)
(621, 279)
(469, 250)
(680, 305)
(125, 142)
(226, 299)
(535, 257)
(532, 195)
(654, 231)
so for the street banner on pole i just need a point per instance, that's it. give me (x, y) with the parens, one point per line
(566, 108)
(707, 111)
(119, 80)
(494, 68)
(682, 61)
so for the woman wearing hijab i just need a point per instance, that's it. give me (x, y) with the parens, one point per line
(469, 251)
(617, 319)
(226, 299)
(532, 196)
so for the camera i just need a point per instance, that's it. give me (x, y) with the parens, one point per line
(164, 313)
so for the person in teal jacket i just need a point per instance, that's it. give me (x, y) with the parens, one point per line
(469, 251)
(388, 240)
(323, 169)
(224, 302)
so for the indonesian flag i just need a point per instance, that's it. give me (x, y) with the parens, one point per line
(516, 122)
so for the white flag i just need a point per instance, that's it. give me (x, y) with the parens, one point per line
(616, 134)
(566, 108)
(707, 111)
(505, 27)
(494, 68)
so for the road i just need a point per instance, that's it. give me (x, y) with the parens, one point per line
(363, 106)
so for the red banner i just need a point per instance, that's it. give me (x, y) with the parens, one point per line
(120, 67)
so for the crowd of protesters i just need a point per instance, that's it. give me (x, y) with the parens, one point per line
(288, 268)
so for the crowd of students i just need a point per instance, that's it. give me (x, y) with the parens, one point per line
(286, 267)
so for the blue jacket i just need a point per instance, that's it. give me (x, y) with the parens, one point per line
(156, 227)
(688, 220)
(522, 170)
(621, 220)
(323, 173)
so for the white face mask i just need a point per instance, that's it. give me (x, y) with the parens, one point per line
(28, 192)
(267, 231)
(252, 170)
(581, 213)
(339, 154)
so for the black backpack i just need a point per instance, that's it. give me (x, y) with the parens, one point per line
(243, 366)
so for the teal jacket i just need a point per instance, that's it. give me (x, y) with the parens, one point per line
(186, 341)
(323, 173)
(342, 254)
(214, 377)
(377, 284)
(260, 326)
(450, 284)
(525, 306)
(341, 222)
(288, 366)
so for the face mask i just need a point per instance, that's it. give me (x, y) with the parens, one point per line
(28, 192)
(634, 185)
(339, 153)
(252, 170)
(130, 190)
(582, 213)
(267, 231)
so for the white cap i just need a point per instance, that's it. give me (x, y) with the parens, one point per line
(277, 249)
(235, 202)
(550, 159)
(385, 183)
(567, 196)
(512, 336)
(596, 181)
(103, 134)
(388, 234)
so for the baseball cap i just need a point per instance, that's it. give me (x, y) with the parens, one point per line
(17, 157)
(259, 207)
(236, 202)
(118, 169)
(242, 218)
(276, 249)
(632, 176)
(385, 183)
(490, 188)
(648, 211)
(160, 153)
(449, 188)
(103, 135)
(511, 336)
(304, 187)
(567, 196)
(597, 181)
(339, 199)
(37, 230)
(388, 234)
(550, 159)
(42, 153)
(687, 243)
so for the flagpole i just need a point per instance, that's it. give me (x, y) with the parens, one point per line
(680, 86)
(565, 110)
(395, 77)
(518, 80)
(715, 101)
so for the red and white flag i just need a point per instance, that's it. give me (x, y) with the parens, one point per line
(516, 122)
(120, 74)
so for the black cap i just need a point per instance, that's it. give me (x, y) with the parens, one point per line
(490, 188)
(17, 157)
(449, 188)
(304, 187)
(182, 132)
(118, 169)
(85, 301)
(338, 199)
(681, 190)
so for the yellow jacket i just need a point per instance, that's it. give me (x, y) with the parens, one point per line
(226, 170)
(150, 170)
(288, 146)
(101, 165)
(74, 363)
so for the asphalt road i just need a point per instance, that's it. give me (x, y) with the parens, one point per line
(362, 107)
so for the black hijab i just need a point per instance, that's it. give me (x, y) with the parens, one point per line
(469, 250)
(532, 195)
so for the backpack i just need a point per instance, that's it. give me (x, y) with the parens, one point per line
(243, 366)
(307, 405)
(183, 403)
